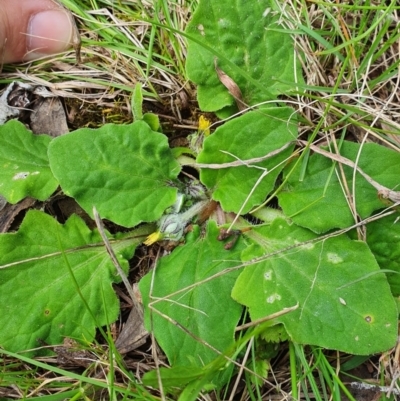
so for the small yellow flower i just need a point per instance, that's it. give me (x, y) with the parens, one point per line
(153, 237)
(204, 125)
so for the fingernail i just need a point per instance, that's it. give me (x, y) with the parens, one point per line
(49, 32)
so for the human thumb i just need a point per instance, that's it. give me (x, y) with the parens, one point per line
(30, 29)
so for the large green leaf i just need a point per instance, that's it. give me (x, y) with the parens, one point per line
(126, 171)
(39, 299)
(25, 169)
(383, 237)
(319, 201)
(252, 135)
(206, 310)
(344, 302)
(250, 46)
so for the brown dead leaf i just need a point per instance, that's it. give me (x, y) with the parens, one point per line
(133, 334)
(9, 212)
(70, 353)
(37, 107)
(48, 117)
(232, 87)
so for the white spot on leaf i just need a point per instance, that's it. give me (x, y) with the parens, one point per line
(334, 258)
(342, 301)
(223, 23)
(268, 275)
(200, 27)
(274, 297)
(20, 176)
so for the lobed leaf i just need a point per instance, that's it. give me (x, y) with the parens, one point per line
(44, 267)
(250, 47)
(25, 169)
(344, 300)
(320, 203)
(126, 171)
(249, 136)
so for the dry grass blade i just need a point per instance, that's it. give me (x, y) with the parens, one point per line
(110, 251)
(383, 191)
(238, 163)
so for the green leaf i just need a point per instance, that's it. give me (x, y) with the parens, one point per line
(191, 379)
(137, 102)
(275, 334)
(344, 300)
(250, 47)
(206, 310)
(319, 201)
(251, 135)
(25, 169)
(261, 368)
(178, 376)
(38, 297)
(152, 121)
(383, 237)
(127, 172)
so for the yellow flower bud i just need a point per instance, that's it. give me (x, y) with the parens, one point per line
(152, 238)
(204, 125)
